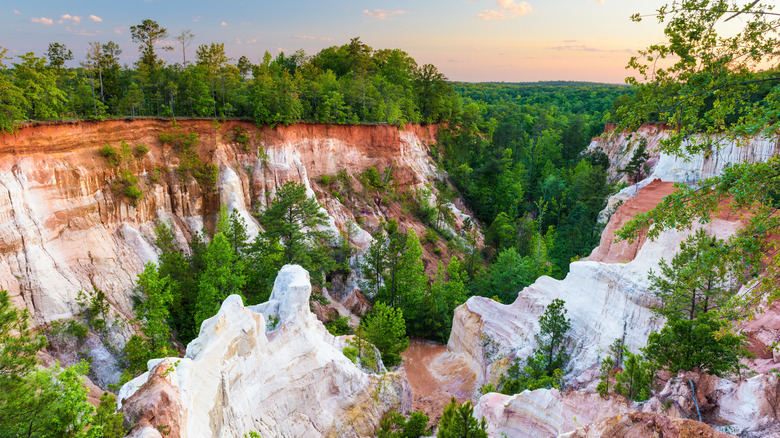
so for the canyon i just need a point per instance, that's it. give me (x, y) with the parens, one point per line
(65, 228)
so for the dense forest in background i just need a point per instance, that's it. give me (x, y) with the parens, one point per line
(517, 155)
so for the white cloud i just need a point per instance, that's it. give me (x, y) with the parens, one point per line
(196, 19)
(83, 33)
(95, 18)
(515, 9)
(252, 41)
(313, 38)
(487, 14)
(42, 20)
(586, 48)
(17, 12)
(382, 14)
(223, 24)
(120, 30)
(509, 8)
(73, 18)
(601, 2)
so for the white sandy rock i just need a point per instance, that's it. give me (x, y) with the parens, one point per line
(274, 369)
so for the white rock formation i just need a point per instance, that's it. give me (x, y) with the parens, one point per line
(545, 412)
(604, 302)
(270, 368)
(620, 147)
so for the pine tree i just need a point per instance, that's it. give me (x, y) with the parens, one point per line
(295, 220)
(411, 280)
(223, 276)
(386, 329)
(374, 264)
(457, 421)
(635, 166)
(152, 310)
(700, 278)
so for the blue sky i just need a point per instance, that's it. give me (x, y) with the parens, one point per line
(468, 40)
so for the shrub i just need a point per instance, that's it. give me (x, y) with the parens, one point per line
(133, 193)
(110, 154)
(325, 180)
(339, 326)
(140, 150)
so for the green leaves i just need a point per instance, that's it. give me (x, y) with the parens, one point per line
(707, 79)
(702, 343)
(457, 421)
(386, 329)
(18, 343)
(295, 221)
(544, 367)
(701, 277)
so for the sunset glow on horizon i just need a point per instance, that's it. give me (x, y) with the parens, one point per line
(468, 40)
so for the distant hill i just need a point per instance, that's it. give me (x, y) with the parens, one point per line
(575, 97)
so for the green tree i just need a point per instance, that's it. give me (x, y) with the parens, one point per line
(107, 422)
(154, 301)
(457, 421)
(146, 35)
(222, 276)
(12, 100)
(508, 275)
(700, 278)
(39, 85)
(213, 59)
(702, 343)
(386, 329)
(411, 278)
(58, 53)
(52, 403)
(553, 326)
(18, 344)
(294, 220)
(635, 166)
(395, 425)
(715, 89)
(544, 367)
(637, 378)
(374, 264)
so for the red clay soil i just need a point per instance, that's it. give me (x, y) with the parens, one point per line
(428, 393)
(610, 251)
(648, 197)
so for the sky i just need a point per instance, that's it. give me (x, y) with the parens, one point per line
(467, 40)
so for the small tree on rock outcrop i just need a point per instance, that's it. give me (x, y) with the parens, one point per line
(544, 367)
(637, 163)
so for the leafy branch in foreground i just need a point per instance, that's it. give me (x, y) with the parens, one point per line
(707, 79)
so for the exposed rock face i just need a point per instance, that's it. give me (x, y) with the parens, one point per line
(65, 227)
(545, 413)
(244, 373)
(641, 425)
(747, 408)
(604, 302)
(620, 147)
